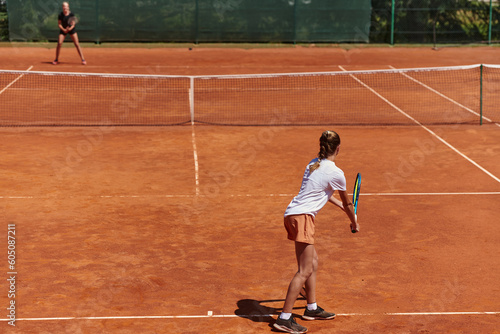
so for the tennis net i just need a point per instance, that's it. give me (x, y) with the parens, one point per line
(442, 95)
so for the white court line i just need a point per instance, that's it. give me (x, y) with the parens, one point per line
(193, 136)
(433, 194)
(97, 196)
(382, 194)
(195, 157)
(423, 127)
(19, 77)
(256, 195)
(211, 315)
(444, 96)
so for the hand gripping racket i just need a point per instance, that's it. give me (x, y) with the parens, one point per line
(355, 195)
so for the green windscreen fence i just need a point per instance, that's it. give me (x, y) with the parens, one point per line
(197, 20)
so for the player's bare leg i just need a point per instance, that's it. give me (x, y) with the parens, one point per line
(305, 259)
(310, 285)
(60, 41)
(74, 37)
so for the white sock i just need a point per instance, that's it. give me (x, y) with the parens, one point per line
(312, 307)
(285, 316)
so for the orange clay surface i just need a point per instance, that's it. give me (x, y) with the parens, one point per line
(114, 235)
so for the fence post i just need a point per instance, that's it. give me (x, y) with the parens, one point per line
(393, 9)
(295, 22)
(196, 20)
(97, 25)
(491, 19)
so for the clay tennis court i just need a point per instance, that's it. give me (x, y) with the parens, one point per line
(178, 229)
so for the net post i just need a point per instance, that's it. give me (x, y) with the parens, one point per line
(481, 96)
(393, 9)
(191, 98)
(490, 19)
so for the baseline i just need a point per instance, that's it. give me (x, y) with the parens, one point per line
(211, 315)
(256, 195)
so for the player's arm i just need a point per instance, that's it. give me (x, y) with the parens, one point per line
(349, 210)
(59, 23)
(336, 202)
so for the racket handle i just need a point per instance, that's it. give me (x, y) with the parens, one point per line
(354, 231)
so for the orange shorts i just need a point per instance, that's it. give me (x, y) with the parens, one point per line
(300, 228)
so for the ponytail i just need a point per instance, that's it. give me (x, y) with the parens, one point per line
(314, 166)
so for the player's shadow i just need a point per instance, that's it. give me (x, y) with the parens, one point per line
(256, 311)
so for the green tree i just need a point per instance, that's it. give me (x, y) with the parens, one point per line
(4, 21)
(426, 21)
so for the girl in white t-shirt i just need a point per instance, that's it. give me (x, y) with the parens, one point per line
(321, 179)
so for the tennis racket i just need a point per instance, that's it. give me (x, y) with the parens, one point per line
(355, 195)
(72, 21)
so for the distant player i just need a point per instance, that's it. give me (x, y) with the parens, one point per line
(66, 23)
(321, 179)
